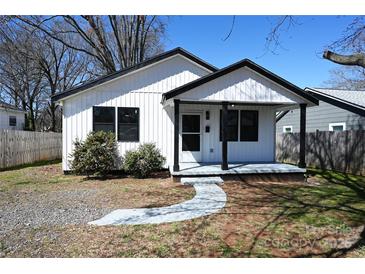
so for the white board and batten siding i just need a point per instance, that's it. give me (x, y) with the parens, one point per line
(242, 85)
(261, 151)
(142, 89)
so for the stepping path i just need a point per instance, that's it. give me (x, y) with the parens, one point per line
(209, 199)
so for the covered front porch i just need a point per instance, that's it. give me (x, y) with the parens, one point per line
(224, 123)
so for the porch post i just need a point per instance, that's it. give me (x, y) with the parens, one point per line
(224, 165)
(302, 163)
(176, 134)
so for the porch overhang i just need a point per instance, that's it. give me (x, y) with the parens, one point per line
(279, 106)
(242, 84)
(251, 67)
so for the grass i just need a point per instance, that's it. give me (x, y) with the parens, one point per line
(263, 219)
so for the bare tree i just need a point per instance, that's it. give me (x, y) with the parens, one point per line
(20, 76)
(347, 77)
(62, 68)
(350, 47)
(43, 55)
(348, 50)
(114, 42)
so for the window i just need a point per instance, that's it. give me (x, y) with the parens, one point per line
(232, 126)
(190, 132)
(128, 124)
(337, 126)
(104, 119)
(249, 125)
(12, 121)
(287, 129)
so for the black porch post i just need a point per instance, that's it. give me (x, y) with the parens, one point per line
(302, 163)
(224, 135)
(176, 134)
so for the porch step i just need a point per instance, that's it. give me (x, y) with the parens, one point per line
(201, 180)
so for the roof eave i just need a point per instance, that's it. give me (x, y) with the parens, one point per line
(357, 109)
(150, 61)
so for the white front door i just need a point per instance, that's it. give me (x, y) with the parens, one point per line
(191, 137)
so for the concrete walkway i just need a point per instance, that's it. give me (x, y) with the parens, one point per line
(209, 198)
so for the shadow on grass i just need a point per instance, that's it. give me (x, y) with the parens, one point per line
(35, 164)
(338, 199)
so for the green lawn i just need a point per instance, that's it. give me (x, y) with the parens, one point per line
(323, 217)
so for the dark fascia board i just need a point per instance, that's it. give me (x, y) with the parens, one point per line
(244, 63)
(130, 69)
(354, 108)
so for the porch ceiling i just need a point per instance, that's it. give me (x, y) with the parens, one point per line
(278, 106)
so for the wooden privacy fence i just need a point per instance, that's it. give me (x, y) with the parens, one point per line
(23, 147)
(334, 150)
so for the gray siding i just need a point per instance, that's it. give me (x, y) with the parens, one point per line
(4, 119)
(319, 117)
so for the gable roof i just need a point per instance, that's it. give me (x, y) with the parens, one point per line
(244, 63)
(130, 69)
(351, 100)
(8, 106)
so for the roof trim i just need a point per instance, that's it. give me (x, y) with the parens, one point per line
(244, 63)
(150, 61)
(338, 102)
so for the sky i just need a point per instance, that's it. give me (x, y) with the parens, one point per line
(298, 61)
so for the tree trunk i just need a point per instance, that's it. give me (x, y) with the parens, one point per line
(357, 59)
(31, 120)
(53, 117)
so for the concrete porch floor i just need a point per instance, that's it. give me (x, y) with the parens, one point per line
(210, 169)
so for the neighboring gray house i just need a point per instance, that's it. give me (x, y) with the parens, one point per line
(337, 110)
(11, 117)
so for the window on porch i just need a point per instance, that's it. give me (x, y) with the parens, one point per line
(232, 126)
(249, 126)
(249, 129)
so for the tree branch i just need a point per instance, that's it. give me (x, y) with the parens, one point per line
(357, 59)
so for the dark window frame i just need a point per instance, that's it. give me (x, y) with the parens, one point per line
(93, 117)
(195, 147)
(138, 125)
(256, 127)
(237, 126)
(10, 121)
(191, 133)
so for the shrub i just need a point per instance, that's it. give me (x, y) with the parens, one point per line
(97, 155)
(141, 162)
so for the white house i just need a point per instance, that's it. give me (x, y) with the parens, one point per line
(11, 117)
(178, 101)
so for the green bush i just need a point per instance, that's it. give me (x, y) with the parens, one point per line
(141, 162)
(96, 156)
